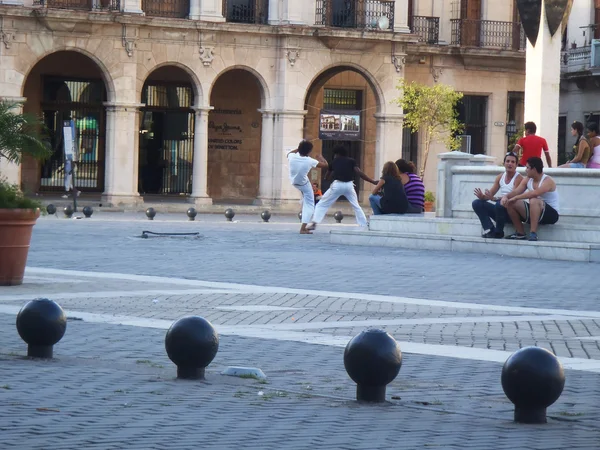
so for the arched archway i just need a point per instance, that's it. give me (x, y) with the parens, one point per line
(342, 102)
(68, 86)
(166, 144)
(234, 136)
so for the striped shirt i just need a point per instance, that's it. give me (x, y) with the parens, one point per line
(415, 190)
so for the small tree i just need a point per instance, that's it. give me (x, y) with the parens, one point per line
(20, 134)
(431, 110)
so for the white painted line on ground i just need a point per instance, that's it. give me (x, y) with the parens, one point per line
(257, 308)
(243, 288)
(476, 354)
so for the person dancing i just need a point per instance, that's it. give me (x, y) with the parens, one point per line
(300, 165)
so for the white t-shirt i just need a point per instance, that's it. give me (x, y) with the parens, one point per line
(299, 168)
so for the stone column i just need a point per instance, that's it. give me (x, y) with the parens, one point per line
(288, 131)
(122, 141)
(542, 84)
(389, 140)
(9, 170)
(208, 10)
(132, 6)
(443, 200)
(401, 16)
(265, 186)
(200, 168)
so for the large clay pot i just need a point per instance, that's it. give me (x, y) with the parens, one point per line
(16, 226)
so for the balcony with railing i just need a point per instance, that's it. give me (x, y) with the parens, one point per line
(491, 34)
(178, 9)
(86, 5)
(361, 14)
(246, 11)
(426, 28)
(576, 59)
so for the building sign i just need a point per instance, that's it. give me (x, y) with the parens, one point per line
(225, 131)
(339, 125)
(70, 140)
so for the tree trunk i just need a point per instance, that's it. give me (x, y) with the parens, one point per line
(424, 159)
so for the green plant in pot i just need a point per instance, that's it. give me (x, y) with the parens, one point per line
(20, 135)
(429, 201)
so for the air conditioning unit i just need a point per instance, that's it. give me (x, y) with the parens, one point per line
(595, 54)
(465, 143)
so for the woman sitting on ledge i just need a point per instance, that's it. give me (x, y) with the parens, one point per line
(594, 162)
(413, 185)
(581, 149)
(393, 199)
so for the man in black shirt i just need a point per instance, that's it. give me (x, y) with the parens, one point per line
(343, 170)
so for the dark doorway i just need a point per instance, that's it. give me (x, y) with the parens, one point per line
(470, 14)
(410, 146)
(166, 139)
(563, 156)
(472, 111)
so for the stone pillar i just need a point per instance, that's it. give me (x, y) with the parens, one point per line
(9, 170)
(200, 168)
(483, 160)
(443, 201)
(208, 10)
(132, 6)
(389, 140)
(401, 16)
(265, 186)
(288, 131)
(122, 141)
(542, 84)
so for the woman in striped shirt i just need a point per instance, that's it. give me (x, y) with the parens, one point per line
(413, 185)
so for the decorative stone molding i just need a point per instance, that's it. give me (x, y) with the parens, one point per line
(207, 55)
(117, 107)
(399, 62)
(436, 73)
(128, 42)
(292, 55)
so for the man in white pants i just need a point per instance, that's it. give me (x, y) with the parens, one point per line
(300, 165)
(343, 170)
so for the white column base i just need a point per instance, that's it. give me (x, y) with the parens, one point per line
(121, 200)
(201, 201)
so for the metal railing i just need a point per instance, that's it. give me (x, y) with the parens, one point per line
(488, 34)
(576, 59)
(246, 11)
(87, 5)
(363, 14)
(179, 9)
(427, 28)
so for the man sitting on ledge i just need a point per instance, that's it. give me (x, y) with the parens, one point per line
(542, 207)
(488, 211)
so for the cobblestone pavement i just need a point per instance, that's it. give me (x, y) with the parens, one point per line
(287, 304)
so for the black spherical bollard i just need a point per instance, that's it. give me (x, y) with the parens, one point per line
(300, 216)
(88, 211)
(191, 343)
(265, 215)
(338, 216)
(192, 213)
(532, 378)
(372, 359)
(68, 210)
(51, 209)
(41, 323)
(229, 214)
(150, 213)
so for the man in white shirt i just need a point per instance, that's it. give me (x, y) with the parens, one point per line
(300, 165)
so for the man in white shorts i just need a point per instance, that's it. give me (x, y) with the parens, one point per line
(300, 165)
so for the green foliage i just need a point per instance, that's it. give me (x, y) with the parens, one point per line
(11, 197)
(431, 110)
(429, 196)
(512, 140)
(21, 134)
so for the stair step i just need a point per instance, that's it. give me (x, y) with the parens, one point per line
(548, 250)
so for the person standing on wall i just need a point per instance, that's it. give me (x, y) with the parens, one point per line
(532, 146)
(300, 165)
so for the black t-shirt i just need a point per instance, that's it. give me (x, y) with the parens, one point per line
(394, 200)
(343, 168)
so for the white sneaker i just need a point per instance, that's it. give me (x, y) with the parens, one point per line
(65, 196)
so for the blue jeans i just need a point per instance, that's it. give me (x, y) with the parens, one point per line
(375, 201)
(486, 211)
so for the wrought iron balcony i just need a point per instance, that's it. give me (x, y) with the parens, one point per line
(576, 59)
(427, 28)
(488, 34)
(178, 9)
(363, 14)
(87, 5)
(246, 11)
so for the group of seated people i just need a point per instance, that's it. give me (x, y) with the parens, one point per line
(399, 190)
(586, 151)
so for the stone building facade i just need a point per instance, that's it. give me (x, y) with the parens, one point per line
(203, 98)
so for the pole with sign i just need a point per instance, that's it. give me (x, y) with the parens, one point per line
(70, 147)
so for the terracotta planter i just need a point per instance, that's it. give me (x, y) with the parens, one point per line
(429, 206)
(16, 226)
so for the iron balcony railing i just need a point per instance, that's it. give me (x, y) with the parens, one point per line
(427, 28)
(179, 9)
(488, 34)
(363, 14)
(246, 11)
(87, 5)
(576, 59)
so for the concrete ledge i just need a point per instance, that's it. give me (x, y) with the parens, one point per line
(553, 251)
(417, 224)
